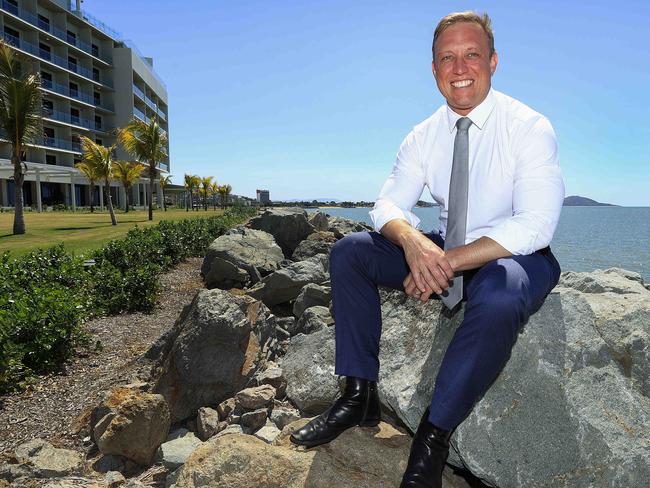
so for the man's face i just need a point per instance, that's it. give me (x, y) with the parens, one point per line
(463, 67)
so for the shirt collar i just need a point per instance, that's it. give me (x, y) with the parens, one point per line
(478, 115)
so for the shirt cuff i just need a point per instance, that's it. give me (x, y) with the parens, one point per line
(514, 237)
(383, 214)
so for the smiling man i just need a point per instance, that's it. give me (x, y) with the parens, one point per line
(491, 163)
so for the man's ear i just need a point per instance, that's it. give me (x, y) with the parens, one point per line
(433, 68)
(494, 60)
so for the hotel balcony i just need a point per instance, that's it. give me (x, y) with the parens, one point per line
(81, 122)
(76, 94)
(41, 54)
(32, 18)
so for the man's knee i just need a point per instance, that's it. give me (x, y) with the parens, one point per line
(349, 249)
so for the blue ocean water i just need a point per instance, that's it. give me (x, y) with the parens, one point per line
(586, 238)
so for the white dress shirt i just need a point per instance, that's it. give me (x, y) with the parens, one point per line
(515, 191)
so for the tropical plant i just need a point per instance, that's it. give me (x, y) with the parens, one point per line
(101, 158)
(214, 191)
(189, 182)
(224, 191)
(147, 143)
(20, 119)
(206, 184)
(165, 181)
(127, 172)
(90, 172)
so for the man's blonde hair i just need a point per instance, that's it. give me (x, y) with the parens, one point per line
(468, 16)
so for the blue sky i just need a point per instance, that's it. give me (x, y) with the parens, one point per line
(312, 99)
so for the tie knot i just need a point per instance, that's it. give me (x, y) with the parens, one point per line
(463, 124)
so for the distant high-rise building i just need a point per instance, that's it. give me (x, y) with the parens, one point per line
(263, 196)
(93, 81)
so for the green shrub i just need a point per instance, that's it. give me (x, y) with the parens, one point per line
(46, 295)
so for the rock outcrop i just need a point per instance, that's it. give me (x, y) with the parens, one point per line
(288, 226)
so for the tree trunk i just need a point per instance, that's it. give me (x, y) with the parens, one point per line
(126, 197)
(162, 193)
(19, 178)
(152, 172)
(109, 201)
(92, 196)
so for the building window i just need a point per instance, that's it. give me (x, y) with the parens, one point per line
(99, 141)
(74, 89)
(50, 159)
(95, 50)
(72, 38)
(46, 79)
(12, 36)
(48, 108)
(44, 51)
(95, 74)
(48, 136)
(11, 6)
(98, 98)
(72, 64)
(74, 116)
(98, 122)
(43, 22)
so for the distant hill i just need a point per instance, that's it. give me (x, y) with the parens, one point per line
(326, 200)
(577, 201)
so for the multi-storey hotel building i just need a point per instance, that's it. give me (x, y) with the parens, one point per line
(93, 81)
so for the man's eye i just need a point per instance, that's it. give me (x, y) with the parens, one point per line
(445, 58)
(473, 55)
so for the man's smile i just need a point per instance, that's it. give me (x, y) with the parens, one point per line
(461, 83)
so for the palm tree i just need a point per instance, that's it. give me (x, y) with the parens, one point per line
(214, 191)
(20, 119)
(188, 183)
(206, 183)
(101, 158)
(224, 191)
(89, 172)
(146, 143)
(127, 172)
(165, 181)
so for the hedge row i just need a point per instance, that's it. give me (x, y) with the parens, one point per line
(46, 295)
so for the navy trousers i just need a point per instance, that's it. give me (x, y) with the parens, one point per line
(499, 296)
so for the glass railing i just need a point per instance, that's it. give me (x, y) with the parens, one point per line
(138, 92)
(48, 56)
(151, 104)
(161, 114)
(139, 114)
(59, 143)
(33, 19)
(76, 94)
(68, 118)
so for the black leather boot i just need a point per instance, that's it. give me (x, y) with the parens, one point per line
(359, 405)
(429, 451)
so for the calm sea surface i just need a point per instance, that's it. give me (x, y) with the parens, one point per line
(586, 238)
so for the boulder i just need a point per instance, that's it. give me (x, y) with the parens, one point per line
(288, 226)
(255, 397)
(312, 294)
(254, 419)
(268, 432)
(358, 458)
(309, 248)
(38, 458)
(313, 319)
(208, 424)
(340, 226)
(281, 416)
(175, 451)
(130, 423)
(214, 352)
(319, 220)
(309, 368)
(240, 257)
(285, 284)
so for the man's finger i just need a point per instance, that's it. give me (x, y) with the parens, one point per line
(432, 282)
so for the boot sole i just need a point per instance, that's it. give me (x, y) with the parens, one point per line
(365, 423)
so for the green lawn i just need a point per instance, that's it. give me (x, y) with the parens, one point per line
(80, 231)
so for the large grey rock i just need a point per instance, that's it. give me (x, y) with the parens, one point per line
(214, 350)
(312, 294)
(309, 368)
(358, 458)
(288, 226)
(316, 243)
(285, 284)
(570, 407)
(319, 220)
(240, 257)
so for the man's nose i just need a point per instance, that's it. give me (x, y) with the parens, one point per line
(459, 65)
